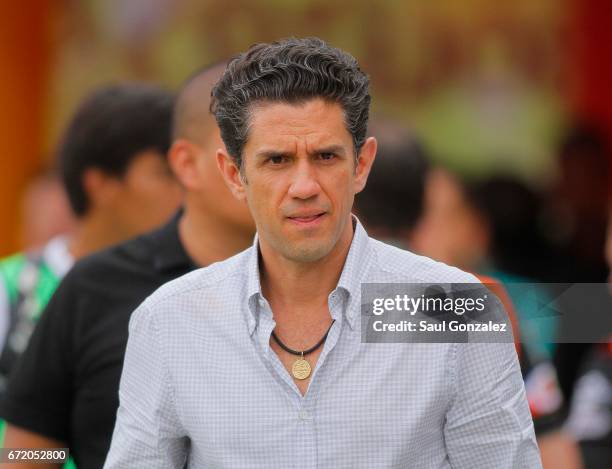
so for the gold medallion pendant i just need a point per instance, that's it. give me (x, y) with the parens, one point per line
(300, 369)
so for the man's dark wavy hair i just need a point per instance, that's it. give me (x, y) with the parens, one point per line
(291, 71)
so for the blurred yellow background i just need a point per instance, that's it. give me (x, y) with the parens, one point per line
(488, 85)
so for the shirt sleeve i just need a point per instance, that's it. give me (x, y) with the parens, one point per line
(488, 423)
(147, 431)
(38, 394)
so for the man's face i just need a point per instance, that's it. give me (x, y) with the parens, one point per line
(145, 196)
(300, 177)
(450, 230)
(211, 188)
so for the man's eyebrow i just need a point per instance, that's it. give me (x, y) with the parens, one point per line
(265, 154)
(335, 149)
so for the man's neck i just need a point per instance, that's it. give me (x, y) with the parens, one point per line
(296, 287)
(207, 239)
(92, 233)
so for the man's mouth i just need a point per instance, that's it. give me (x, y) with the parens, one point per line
(306, 218)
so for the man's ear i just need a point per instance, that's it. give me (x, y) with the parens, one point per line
(231, 174)
(367, 154)
(183, 160)
(100, 188)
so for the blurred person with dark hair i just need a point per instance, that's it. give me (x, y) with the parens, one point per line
(517, 253)
(112, 165)
(554, 323)
(450, 230)
(578, 204)
(40, 226)
(392, 206)
(393, 201)
(488, 226)
(513, 213)
(65, 390)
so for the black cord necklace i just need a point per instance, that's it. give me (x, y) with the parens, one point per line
(301, 368)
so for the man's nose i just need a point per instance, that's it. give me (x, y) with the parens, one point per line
(304, 184)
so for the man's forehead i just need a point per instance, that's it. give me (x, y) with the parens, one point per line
(316, 122)
(297, 113)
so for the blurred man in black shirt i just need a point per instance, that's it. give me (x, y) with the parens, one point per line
(64, 391)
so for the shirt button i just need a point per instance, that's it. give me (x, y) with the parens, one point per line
(303, 415)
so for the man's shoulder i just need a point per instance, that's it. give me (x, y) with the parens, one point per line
(120, 258)
(211, 277)
(393, 264)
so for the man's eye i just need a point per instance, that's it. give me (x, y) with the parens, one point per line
(276, 159)
(327, 156)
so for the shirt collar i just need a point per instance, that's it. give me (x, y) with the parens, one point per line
(254, 295)
(57, 256)
(353, 273)
(168, 251)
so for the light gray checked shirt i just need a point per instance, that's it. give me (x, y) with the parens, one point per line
(201, 384)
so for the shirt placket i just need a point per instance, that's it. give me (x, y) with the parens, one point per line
(304, 407)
